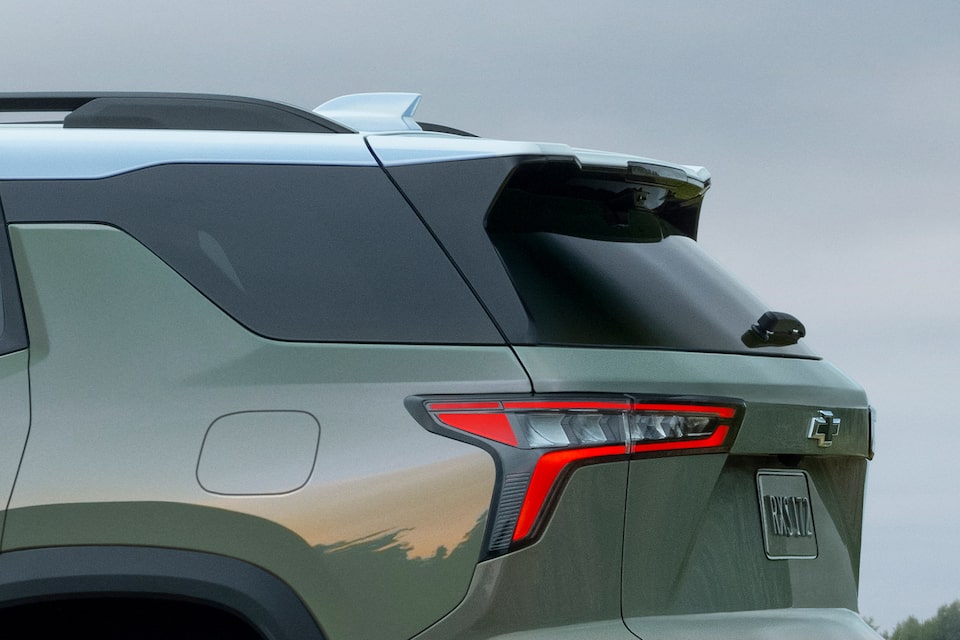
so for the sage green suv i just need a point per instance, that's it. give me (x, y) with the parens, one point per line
(289, 374)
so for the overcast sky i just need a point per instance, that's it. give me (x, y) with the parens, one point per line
(832, 130)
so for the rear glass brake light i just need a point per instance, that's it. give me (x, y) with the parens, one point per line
(559, 434)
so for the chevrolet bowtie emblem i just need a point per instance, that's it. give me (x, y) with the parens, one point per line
(824, 428)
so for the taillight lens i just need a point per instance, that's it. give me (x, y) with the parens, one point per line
(538, 441)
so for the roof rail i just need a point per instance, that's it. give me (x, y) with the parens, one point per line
(170, 111)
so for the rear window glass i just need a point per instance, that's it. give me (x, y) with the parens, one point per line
(596, 262)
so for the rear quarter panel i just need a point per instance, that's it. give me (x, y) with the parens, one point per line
(130, 368)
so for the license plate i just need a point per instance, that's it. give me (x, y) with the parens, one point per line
(787, 515)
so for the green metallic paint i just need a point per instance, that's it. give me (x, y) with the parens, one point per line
(367, 590)
(713, 557)
(782, 395)
(130, 365)
(784, 429)
(14, 422)
(758, 378)
(571, 576)
(693, 538)
(786, 624)
(282, 445)
(599, 630)
(790, 624)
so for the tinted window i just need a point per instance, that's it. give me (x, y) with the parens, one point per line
(300, 253)
(596, 262)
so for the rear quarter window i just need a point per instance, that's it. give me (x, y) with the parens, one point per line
(299, 253)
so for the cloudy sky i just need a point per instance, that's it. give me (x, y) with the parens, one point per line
(832, 131)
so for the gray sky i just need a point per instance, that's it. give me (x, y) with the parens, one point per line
(832, 131)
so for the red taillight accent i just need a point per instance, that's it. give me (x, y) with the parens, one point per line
(493, 426)
(687, 409)
(570, 405)
(557, 434)
(463, 406)
(549, 467)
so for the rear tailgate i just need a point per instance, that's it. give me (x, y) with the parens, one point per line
(590, 268)
(772, 524)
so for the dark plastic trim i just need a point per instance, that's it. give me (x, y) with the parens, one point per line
(145, 110)
(442, 128)
(13, 325)
(453, 199)
(262, 599)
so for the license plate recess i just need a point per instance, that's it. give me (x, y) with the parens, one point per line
(786, 514)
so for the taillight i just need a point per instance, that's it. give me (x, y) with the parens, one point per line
(537, 442)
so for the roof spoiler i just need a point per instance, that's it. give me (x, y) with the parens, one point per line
(673, 192)
(683, 183)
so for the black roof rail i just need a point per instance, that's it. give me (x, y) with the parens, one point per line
(191, 111)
